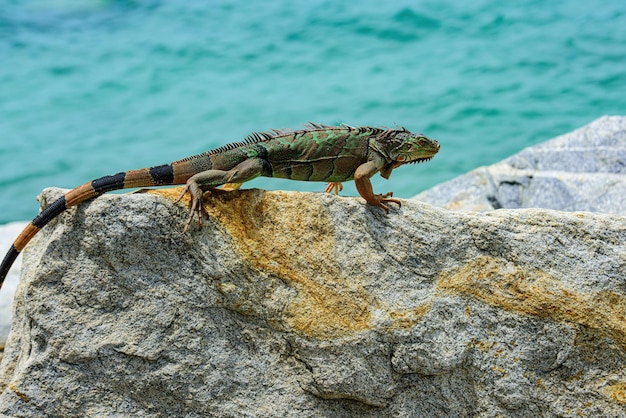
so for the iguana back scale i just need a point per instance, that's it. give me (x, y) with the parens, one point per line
(316, 153)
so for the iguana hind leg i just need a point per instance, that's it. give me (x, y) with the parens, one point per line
(209, 179)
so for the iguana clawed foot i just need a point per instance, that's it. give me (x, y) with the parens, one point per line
(334, 186)
(197, 207)
(381, 199)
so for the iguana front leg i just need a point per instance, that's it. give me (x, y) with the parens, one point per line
(364, 186)
(206, 180)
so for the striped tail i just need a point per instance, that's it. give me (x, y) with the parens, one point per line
(156, 176)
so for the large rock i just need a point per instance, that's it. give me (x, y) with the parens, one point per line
(584, 170)
(308, 305)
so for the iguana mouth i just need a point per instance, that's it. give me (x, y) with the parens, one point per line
(420, 160)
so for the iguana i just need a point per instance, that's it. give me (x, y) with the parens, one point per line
(331, 154)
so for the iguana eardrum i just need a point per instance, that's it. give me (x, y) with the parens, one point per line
(331, 154)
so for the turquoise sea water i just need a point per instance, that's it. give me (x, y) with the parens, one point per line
(90, 88)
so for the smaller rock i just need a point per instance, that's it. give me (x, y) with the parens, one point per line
(579, 171)
(8, 233)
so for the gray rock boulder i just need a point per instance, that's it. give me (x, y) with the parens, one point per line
(308, 305)
(584, 170)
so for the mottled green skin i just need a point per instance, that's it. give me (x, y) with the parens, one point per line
(321, 155)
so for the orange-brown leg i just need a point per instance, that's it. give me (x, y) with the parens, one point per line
(364, 187)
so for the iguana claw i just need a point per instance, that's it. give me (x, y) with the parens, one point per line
(335, 186)
(386, 198)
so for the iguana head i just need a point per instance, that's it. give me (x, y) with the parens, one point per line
(399, 146)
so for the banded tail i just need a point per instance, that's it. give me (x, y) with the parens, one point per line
(163, 175)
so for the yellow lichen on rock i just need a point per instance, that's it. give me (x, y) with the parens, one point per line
(299, 250)
(501, 283)
(406, 318)
(617, 392)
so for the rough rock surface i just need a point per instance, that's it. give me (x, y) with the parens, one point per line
(308, 305)
(584, 170)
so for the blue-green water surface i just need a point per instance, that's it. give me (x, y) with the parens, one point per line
(90, 88)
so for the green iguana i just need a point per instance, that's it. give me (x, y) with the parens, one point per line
(331, 154)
